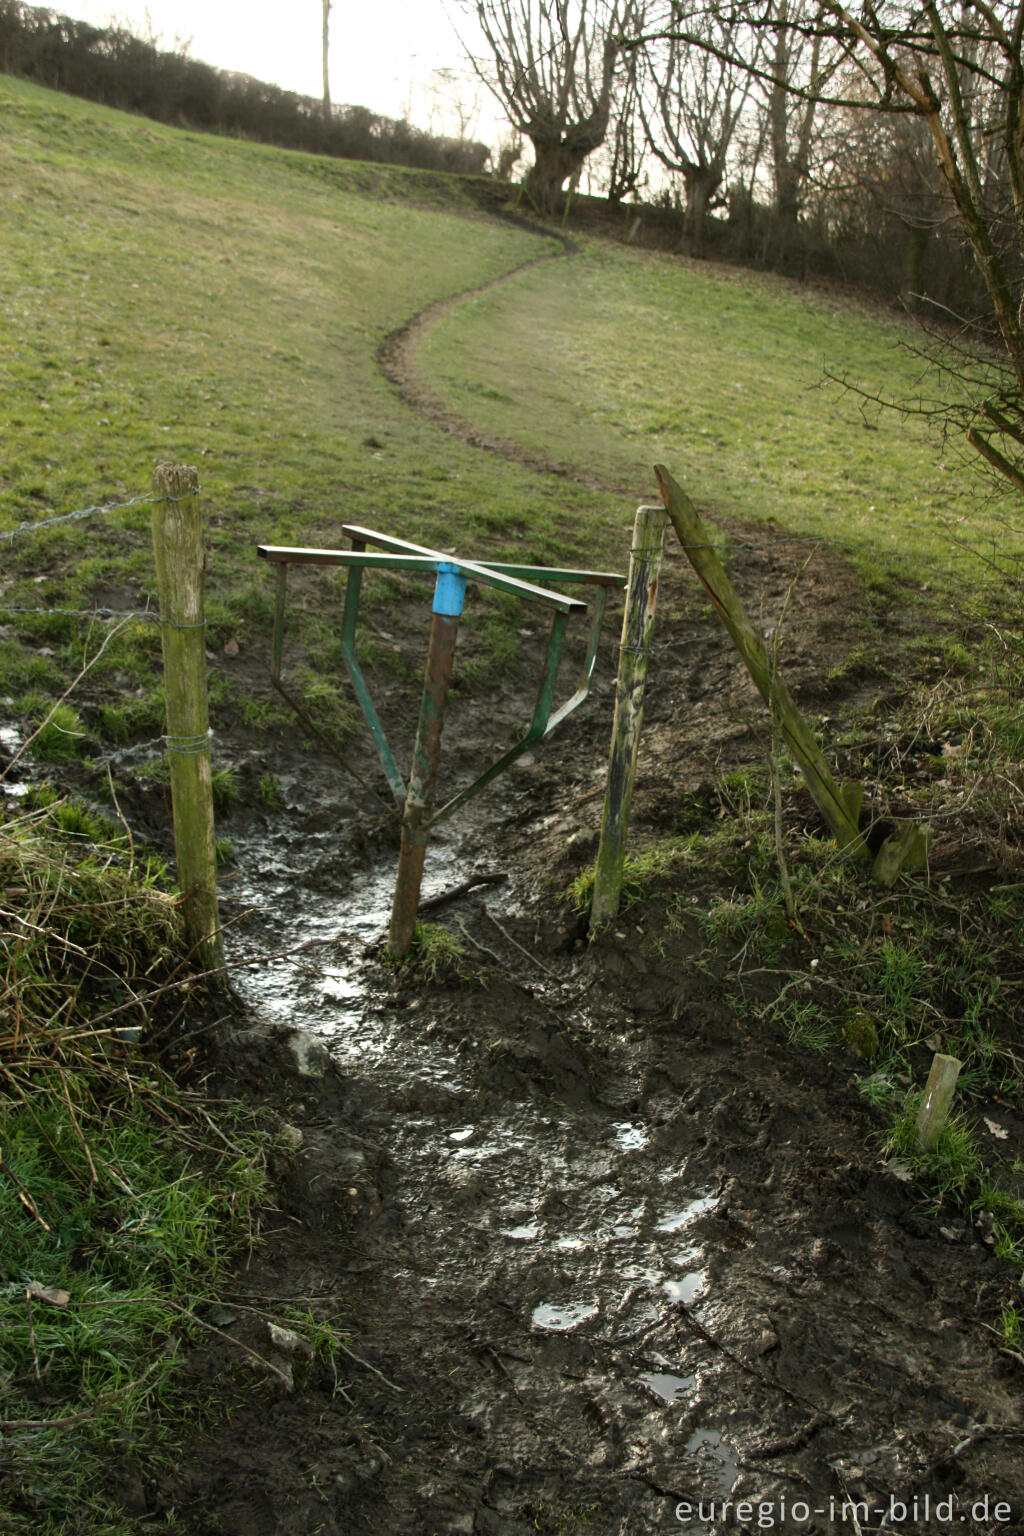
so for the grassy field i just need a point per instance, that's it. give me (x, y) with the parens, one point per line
(197, 299)
(618, 360)
(178, 297)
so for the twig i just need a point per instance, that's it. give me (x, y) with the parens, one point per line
(68, 690)
(32, 1336)
(794, 1442)
(87, 1413)
(367, 1366)
(93, 1177)
(498, 877)
(516, 945)
(268, 1365)
(187, 1312)
(499, 962)
(23, 1195)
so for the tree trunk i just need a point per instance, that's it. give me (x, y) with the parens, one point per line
(326, 51)
(915, 245)
(553, 164)
(701, 185)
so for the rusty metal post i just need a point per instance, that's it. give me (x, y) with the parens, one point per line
(449, 594)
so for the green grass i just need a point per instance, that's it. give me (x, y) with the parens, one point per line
(171, 296)
(615, 361)
(124, 1196)
(644, 873)
(183, 297)
(435, 956)
(953, 1168)
(134, 1219)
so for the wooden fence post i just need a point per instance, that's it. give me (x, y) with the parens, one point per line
(180, 563)
(634, 654)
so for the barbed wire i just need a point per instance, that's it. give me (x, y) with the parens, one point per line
(103, 613)
(70, 517)
(184, 746)
(847, 549)
(86, 613)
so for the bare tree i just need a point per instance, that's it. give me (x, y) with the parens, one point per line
(691, 105)
(955, 65)
(553, 70)
(794, 58)
(626, 146)
(326, 43)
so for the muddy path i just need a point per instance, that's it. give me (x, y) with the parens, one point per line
(606, 1257)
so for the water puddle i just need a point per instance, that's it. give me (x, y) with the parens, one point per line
(668, 1387)
(716, 1458)
(675, 1221)
(340, 986)
(562, 1319)
(630, 1137)
(686, 1289)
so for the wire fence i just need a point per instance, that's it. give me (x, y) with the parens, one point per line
(73, 517)
(1004, 562)
(183, 746)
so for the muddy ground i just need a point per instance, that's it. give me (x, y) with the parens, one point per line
(606, 1257)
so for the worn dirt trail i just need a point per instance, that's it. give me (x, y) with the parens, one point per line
(397, 359)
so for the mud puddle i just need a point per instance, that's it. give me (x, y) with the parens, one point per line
(606, 1255)
(566, 1219)
(628, 1263)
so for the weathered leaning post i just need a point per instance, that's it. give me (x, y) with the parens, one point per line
(178, 550)
(937, 1101)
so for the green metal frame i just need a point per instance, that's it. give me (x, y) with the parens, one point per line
(399, 555)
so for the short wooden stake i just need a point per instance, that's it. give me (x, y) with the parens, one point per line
(180, 562)
(634, 654)
(938, 1096)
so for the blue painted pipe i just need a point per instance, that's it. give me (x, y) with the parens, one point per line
(449, 591)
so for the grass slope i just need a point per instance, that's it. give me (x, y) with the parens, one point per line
(172, 296)
(619, 360)
(175, 296)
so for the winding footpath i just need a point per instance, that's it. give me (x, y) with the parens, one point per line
(396, 358)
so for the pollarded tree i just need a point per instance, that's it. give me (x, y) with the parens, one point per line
(957, 66)
(692, 102)
(552, 70)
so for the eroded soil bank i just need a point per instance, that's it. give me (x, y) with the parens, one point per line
(602, 1249)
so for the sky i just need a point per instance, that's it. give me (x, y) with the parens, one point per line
(384, 54)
